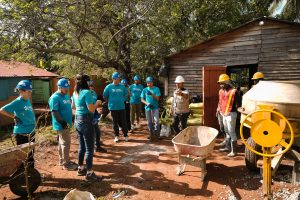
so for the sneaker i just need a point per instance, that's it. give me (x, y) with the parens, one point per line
(81, 172)
(137, 126)
(70, 166)
(132, 126)
(92, 177)
(126, 139)
(100, 149)
(116, 139)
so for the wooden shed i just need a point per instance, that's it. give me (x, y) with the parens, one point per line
(265, 44)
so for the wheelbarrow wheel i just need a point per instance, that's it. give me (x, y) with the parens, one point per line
(250, 157)
(17, 183)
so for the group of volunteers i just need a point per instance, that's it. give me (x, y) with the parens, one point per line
(124, 103)
(229, 102)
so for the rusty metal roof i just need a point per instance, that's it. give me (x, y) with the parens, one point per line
(20, 69)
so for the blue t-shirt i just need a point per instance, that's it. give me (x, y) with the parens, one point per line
(135, 91)
(22, 109)
(96, 114)
(149, 99)
(62, 104)
(81, 101)
(116, 95)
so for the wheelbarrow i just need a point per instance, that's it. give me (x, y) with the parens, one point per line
(193, 145)
(14, 166)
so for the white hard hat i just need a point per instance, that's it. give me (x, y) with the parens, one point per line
(179, 79)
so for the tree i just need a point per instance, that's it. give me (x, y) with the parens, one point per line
(119, 34)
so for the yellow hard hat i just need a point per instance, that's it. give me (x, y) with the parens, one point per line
(223, 78)
(258, 75)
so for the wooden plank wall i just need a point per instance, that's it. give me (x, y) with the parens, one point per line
(276, 50)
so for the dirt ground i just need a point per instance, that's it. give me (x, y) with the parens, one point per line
(141, 169)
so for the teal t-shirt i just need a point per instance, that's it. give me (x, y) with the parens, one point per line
(149, 99)
(96, 114)
(81, 101)
(22, 109)
(62, 104)
(116, 95)
(135, 91)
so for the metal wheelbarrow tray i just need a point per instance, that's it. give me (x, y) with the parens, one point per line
(194, 144)
(12, 170)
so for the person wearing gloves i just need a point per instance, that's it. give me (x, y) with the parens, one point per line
(85, 109)
(180, 105)
(96, 120)
(115, 94)
(61, 110)
(127, 105)
(150, 97)
(21, 111)
(135, 102)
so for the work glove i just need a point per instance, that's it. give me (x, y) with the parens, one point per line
(149, 93)
(17, 120)
(64, 124)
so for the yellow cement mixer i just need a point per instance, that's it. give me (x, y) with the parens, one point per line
(271, 111)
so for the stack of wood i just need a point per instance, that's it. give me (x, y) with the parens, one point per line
(195, 118)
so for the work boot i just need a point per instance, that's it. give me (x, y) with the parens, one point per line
(227, 145)
(233, 149)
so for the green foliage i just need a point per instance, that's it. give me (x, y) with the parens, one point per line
(100, 36)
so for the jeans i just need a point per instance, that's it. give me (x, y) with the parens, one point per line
(97, 135)
(86, 137)
(119, 119)
(182, 118)
(153, 116)
(229, 126)
(26, 138)
(135, 112)
(64, 143)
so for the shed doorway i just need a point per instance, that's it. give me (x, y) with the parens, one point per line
(241, 75)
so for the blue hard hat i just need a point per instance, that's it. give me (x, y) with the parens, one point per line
(63, 83)
(124, 81)
(24, 85)
(149, 79)
(136, 78)
(115, 75)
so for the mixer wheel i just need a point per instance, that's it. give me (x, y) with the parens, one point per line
(250, 157)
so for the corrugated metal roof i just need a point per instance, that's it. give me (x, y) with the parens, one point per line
(20, 69)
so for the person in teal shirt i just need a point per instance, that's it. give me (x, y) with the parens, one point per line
(135, 102)
(96, 120)
(116, 94)
(150, 97)
(85, 109)
(21, 111)
(127, 105)
(61, 110)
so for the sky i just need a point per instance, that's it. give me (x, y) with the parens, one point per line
(279, 9)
